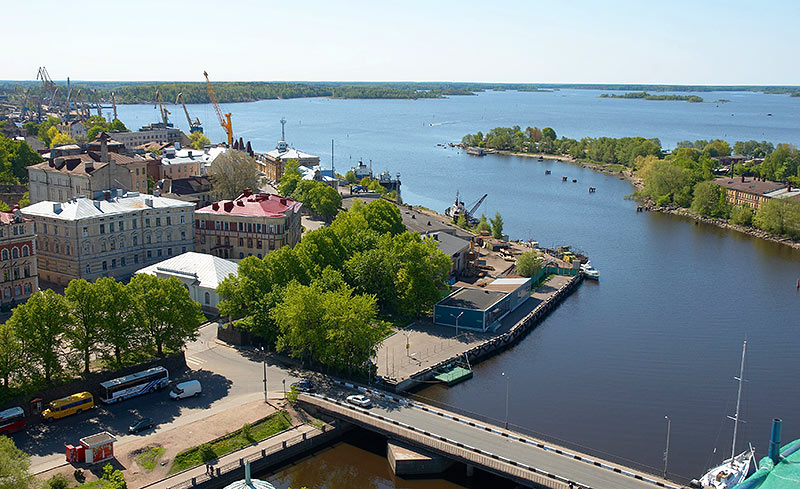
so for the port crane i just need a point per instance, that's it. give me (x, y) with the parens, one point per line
(48, 87)
(458, 209)
(163, 109)
(114, 105)
(225, 121)
(193, 126)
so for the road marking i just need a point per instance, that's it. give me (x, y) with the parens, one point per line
(195, 361)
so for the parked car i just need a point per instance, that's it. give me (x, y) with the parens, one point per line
(360, 400)
(303, 385)
(141, 425)
(190, 388)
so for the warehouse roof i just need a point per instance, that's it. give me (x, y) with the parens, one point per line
(469, 298)
(208, 270)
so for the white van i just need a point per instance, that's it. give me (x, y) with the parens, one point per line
(186, 389)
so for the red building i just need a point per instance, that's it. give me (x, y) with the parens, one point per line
(250, 225)
(18, 271)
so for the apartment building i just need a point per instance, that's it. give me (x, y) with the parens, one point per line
(113, 235)
(250, 225)
(69, 173)
(157, 133)
(752, 192)
(18, 273)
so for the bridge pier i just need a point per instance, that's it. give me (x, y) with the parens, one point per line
(470, 470)
(405, 460)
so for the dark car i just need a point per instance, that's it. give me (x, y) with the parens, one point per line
(141, 425)
(304, 385)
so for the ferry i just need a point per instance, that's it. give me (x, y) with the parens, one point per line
(474, 151)
(589, 271)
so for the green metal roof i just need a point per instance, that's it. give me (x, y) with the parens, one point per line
(783, 475)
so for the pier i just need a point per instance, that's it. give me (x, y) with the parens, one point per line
(526, 460)
(415, 355)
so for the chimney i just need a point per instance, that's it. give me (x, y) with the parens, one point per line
(240, 203)
(190, 153)
(775, 441)
(148, 202)
(97, 204)
(247, 192)
(103, 137)
(57, 207)
(228, 206)
(742, 178)
(88, 165)
(215, 206)
(106, 195)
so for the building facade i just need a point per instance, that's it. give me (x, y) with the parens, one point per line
(68, 174)
(18, 278)
(749, 191)
(110, 237)
(273, 162)
(184, 163)
(156, 133)
(250, 225)
(75, 129)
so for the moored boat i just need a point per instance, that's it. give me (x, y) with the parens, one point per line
(589, 271)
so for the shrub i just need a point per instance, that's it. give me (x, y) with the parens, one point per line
(207, 452)
(58, 481)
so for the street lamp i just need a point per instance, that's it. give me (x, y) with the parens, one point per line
(507, 380)
(459, 315)
(264, 361)
(284, 387)
(666, 451)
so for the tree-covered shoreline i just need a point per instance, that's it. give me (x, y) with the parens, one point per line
(681, 178)
(648, 96)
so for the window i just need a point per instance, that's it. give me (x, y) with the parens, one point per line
(88, 269)
(183, 235)
(258, 244)
(158, 221)
(17, 291)
(241, 241)
(25, 251)
(16, 274)
(258, 227)
(26, 271)
(114, 263)
(105, 265)
(169, 236)
(249, 227)
(147, 238)
(158, 252)
(183, 249)
(169, 220)
(111, 227)
(250, 242)
(44, 228)
(15, 252)
(27, 289)
(202, 239)
(5, 254)
(122, 225)
(122, 261)
(241, 255)
(135, 240)
(133, 224)
(85, 231)
(169, 251)
(55, 230)
(135, 258)
(46, 248)
(102, 246)
(121, 243)
(149, 254)
(147, 222)
(7, 292)
(6, 276)
(102, 229)
(183, 219)
(208, 298)
(67, 250)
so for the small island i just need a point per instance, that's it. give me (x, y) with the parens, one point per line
(648, 96)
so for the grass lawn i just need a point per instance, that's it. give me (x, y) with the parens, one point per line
(149, 459)
(247, 435)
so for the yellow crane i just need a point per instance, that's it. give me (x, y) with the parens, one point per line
(224, 121)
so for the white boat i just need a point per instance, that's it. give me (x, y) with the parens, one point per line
(589, 271)
(734, 470)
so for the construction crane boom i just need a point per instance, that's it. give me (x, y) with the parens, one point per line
(225, 121)
(114, 104)
(193, 126)
(474, 208)
(160, 104)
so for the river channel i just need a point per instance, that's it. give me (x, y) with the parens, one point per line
(659, 335)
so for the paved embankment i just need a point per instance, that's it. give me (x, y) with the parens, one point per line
(431, 346)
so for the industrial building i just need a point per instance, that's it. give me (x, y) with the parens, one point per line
(482, 308)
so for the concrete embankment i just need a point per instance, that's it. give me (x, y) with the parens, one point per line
(428, 348)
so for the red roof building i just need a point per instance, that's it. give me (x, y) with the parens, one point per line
(250, 225)
(18, 271)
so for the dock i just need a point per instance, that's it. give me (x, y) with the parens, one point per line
(453, 375)
(416, 355)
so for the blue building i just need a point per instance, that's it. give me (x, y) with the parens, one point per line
(480, 309)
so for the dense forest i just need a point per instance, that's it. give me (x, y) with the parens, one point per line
(649, 96)
(678, 178)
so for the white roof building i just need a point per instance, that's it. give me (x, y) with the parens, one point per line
(285, 152)
(188, 157)
(199, 272)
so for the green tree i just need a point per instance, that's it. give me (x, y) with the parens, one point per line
(14, 465)
(483, 224)
(92, 132)
(742, 215)
(40, 324)
(10, 354)
(383, 217)
(529, 264)
(290, 179)
(422, 271)
(709, 200)
(169, 317)
(86, 333)
(232, 172)
(549, 133)
(374, 271)
(350, 177)
(199, 140)
(117, 125)
(462, 222)
(119, 323)
(58, 138)
(4, 207)
(324, 200)
(497, 226)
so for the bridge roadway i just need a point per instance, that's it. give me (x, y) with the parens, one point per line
(525, 460)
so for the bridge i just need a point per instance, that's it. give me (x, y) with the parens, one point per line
(525, 460)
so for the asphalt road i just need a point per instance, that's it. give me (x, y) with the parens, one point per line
(531, 455)
(229, 378)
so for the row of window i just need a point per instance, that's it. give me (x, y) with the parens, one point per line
(7, 274)
(26, 251)
(114, 263)
(259, 244)
(15, 230)
(109, 245)
(17, 291)
(242, 227)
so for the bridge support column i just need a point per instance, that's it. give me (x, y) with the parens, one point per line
(405, 460)
(470, 470)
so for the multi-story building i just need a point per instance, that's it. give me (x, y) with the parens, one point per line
(75, 129)
(197, 190)
(158, 133)
(110, 236)
(184, 163)
(250, 225)
(68, 173)
(18, 278)
(752, 192)
(273, 162)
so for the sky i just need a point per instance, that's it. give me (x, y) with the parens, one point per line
(707, 42)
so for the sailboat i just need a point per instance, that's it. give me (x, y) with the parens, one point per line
(735, 469)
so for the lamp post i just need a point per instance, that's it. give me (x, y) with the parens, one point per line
(507, 380)
(264, 362)
(459, 315)
(666, 451)
(284, 388)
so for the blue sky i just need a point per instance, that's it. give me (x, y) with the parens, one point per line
(569, 41)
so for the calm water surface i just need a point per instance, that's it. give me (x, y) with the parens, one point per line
(661, 334)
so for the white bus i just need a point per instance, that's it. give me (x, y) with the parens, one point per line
(149, 380)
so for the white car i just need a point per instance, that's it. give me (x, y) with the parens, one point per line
(360, 400)
(190, 388)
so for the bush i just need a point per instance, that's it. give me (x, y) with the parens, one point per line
(742, 215)
(291, 396)
(207, 453)
(529, 264)
(247, 431)
(58, 481)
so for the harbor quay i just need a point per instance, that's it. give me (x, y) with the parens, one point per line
(413, 356)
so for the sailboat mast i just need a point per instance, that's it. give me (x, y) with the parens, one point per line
(738, 400)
